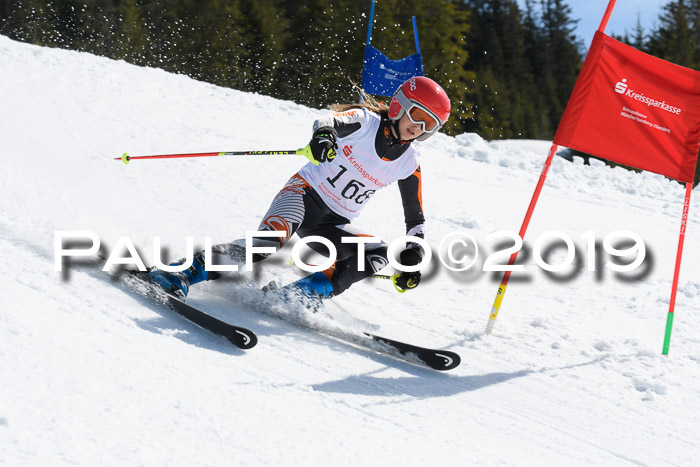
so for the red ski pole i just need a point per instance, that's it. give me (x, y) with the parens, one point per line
(306, 152)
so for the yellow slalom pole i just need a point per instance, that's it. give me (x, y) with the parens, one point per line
(496, 306)
(506, 276)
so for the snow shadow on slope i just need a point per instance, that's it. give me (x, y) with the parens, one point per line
(438, 385)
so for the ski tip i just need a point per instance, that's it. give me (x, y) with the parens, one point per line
(444, 361)
(244, 339)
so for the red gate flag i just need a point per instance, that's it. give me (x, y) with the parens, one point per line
(634, 109)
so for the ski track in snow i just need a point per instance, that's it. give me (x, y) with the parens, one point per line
(92, 374)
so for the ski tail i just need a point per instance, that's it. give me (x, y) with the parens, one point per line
(239, 336)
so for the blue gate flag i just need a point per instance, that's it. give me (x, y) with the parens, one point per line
(382, 76)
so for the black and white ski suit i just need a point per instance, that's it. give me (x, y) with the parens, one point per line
(323, 199)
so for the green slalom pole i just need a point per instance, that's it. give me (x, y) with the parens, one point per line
(667, 335)
(306, 152)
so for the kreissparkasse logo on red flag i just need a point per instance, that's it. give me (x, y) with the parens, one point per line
(634, 109)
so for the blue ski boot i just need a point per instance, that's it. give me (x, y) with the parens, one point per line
(179, 282)
(309, 290)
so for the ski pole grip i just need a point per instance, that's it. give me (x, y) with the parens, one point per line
(306, 152)
(396, 286)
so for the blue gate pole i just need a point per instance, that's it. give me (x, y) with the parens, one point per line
(371, 18)
(415, 33)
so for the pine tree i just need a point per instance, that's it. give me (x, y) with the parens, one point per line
(227, 38)
(676, 38)
(324, 53)
(562, 59)
(638, 39)
(492, 54)
(30, 21)
(132, 40)
(539, 125)
(264, 33)
(504, 46)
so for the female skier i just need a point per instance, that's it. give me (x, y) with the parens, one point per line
(353, 153)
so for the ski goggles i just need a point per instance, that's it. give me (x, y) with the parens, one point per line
(428, 122)
(419, 114)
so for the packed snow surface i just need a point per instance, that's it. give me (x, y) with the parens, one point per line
(91, 374)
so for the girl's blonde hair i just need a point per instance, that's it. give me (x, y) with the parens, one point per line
(368, 102)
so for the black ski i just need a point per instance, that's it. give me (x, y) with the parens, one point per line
(436, 359)
(441, 360)
(237, 335)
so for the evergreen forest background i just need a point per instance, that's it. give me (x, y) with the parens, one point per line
(508, 70)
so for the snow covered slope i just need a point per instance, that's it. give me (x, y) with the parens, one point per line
(90, 374)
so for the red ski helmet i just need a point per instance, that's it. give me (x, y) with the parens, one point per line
(425, 103)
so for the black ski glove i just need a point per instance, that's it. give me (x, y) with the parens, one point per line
(408, 257)
(323, 144)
